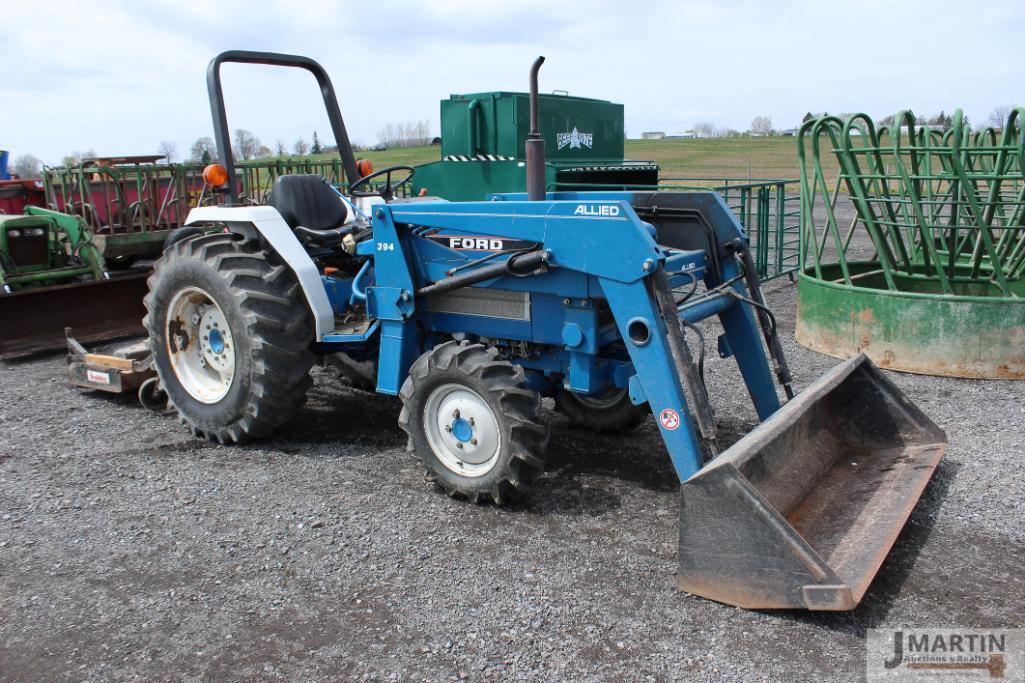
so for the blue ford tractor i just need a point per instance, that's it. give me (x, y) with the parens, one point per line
(472, 312)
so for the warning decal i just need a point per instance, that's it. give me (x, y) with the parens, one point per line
(669, 418)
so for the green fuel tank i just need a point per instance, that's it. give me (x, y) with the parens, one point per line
(483, 137)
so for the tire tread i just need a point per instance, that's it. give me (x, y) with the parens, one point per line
(505, 383)
(277, 323)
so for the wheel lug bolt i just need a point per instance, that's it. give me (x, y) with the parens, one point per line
(459, 444)
(471, 421)
(455, 413)
(473, 441)
(448, 428)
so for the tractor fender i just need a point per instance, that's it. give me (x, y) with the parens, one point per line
(269, 224)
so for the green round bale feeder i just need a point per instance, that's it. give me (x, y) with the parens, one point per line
(929, 274)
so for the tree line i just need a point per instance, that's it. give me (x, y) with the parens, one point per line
(412, 134)
(760, 125)
(996, 118)
(763, 126)
(246, 146)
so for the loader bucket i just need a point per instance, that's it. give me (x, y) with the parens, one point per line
(33, 320)
(801, 512)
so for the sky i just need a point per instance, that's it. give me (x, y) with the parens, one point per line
(121, 77)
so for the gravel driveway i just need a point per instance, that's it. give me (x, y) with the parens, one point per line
(129, 550)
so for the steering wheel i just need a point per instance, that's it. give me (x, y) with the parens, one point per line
(386, 192)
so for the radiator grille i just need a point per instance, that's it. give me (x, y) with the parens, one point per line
(492, 303)
(28, 251)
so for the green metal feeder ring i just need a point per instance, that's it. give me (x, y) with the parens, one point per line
(955, 336)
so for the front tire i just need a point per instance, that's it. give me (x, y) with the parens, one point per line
(472, 421)
(230, 334)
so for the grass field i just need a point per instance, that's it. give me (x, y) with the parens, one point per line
(411, 156)
(720, 157)
(774, 157)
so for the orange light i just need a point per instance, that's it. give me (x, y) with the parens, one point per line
(330, 270)
(364, 167)
(215, 175)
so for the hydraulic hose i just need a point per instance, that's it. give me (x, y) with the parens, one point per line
(357, 295)
(522, 265)
(767, 322)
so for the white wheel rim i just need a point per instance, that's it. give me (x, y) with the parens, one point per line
(462, 430)
(601, 401)
(200, 345)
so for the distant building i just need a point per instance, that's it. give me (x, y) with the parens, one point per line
(789, 132)
(653, 135)
(931, 126)
(682, 135)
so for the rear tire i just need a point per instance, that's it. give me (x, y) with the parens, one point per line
(474, 424)
(360, 375)
(248, 374)
(613, 412)
(180, 235)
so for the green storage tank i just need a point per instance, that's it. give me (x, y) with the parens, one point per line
(482, 146)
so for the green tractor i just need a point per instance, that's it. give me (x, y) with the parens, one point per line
(44, 247)
(53, 277)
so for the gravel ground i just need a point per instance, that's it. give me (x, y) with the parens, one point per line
(129, 550)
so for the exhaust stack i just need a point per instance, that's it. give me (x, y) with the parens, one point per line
(535, 145)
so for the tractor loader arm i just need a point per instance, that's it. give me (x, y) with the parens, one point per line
(799, 514)
(576, 236)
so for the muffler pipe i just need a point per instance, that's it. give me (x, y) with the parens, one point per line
(535, 144)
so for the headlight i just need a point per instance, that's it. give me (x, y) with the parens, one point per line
(13, 234)
(35, 232)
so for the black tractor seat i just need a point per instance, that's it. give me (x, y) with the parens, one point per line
(311, 207)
